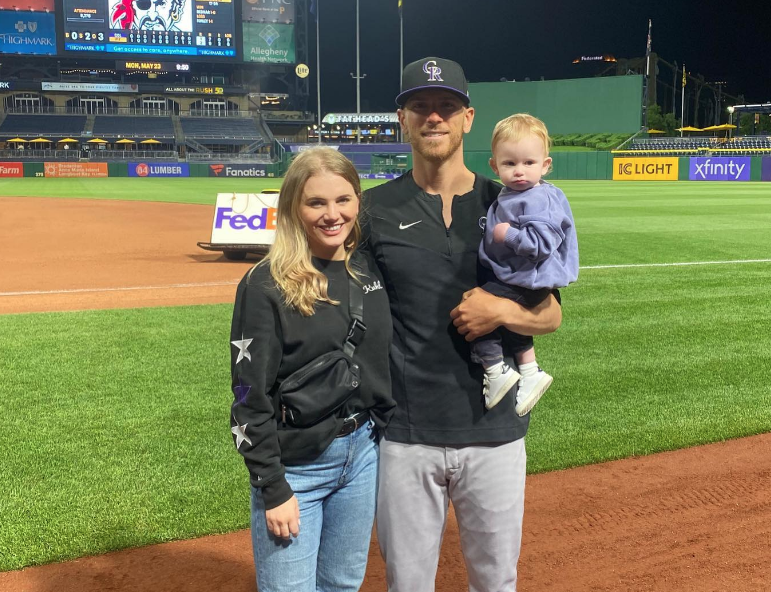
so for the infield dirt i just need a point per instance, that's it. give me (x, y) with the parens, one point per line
(695, 520)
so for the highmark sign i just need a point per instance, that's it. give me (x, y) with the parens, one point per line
(645, 169)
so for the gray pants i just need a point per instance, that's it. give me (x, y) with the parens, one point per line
(486, 485)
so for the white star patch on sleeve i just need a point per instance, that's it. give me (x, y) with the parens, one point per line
(239, 431)
(243, 348)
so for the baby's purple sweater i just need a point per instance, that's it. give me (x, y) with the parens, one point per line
(541, 247)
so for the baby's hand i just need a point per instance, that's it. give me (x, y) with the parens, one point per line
(499, 232)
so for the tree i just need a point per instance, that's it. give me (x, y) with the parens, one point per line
(746, 121)
(666, 122)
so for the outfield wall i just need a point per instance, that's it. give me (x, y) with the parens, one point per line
(84, 170)
(566, 165)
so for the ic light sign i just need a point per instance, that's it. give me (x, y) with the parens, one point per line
(244, 219)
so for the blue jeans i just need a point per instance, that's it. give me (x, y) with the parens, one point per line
(336, 493)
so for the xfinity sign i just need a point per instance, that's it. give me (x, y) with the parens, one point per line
(735, 168)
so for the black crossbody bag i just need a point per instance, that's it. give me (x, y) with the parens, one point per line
(321, 387)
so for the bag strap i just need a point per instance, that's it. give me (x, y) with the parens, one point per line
(357, 328)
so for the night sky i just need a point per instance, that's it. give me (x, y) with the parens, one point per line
(494, 39)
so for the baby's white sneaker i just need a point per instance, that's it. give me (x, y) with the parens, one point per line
(531, 389)
(497, 384)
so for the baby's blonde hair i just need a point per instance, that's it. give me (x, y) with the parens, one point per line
(518, 126)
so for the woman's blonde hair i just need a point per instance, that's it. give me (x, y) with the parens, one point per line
(301, 284)
(518, 126)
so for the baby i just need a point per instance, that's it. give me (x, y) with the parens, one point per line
(529, 249)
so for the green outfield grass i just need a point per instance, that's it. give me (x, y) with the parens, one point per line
(114, 431)
(198, 190)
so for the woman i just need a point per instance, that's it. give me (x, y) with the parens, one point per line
(291, 308)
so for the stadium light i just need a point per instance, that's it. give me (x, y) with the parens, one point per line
(730, 119)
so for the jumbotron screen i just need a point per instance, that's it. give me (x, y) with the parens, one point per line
(189, 28)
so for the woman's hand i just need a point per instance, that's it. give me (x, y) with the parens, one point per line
(284, 520)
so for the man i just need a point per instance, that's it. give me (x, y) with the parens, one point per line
(442, 444)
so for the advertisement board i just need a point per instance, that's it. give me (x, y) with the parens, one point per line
(645, 169)
(244, 219)
(268, 11)
(11, 169)
(75, 169)
(158, 169)
(36, 5)
(721, 168)
(238, 170)
(89, 87)
(29, 33)
(269, 43)
(200, 28)
(765, 168)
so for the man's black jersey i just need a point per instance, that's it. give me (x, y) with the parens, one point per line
(426, 268)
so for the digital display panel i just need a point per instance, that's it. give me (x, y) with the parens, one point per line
(151, 66)
(190, 28)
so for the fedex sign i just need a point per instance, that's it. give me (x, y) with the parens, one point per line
(244, 219)
(265, 219)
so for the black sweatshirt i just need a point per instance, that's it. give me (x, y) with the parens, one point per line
(272, 341)
(427, 267)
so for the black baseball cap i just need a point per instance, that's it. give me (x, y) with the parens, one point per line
(431, 73)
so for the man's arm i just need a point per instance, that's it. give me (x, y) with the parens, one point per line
(480, 312)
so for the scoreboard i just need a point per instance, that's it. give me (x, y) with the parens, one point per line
(186, 28)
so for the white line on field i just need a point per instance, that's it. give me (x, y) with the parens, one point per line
(124, 289)
(234, 282)
(677, 264)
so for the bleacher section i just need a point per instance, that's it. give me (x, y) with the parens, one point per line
(110, 127)
(48, 126)
(697, 146)
(221, 130)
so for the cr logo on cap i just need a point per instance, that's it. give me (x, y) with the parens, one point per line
(433, 71)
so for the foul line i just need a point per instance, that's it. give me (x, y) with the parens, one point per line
(676, 264)
(128, 288)
(235, 282)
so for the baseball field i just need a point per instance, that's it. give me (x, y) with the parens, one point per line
(650, 457)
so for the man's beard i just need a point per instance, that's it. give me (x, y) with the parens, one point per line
(435, 153)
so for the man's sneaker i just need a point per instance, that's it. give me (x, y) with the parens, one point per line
(531, 389)
(495, 388)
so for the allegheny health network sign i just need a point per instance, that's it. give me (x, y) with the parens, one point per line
(269, 43)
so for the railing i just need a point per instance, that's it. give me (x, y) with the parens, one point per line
(215, 113)
(136, 111)
(97, 155)
(40, 154)
(199, 137)
(229, 157)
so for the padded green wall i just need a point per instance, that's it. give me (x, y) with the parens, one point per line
(610, 104)
(565, 165)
